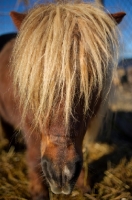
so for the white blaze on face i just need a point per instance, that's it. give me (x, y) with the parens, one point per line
(67, 171)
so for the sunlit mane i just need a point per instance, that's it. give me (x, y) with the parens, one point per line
(63, 50)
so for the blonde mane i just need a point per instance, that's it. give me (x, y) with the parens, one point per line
(63, 51)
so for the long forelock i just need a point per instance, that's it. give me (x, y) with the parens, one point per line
(63, 50)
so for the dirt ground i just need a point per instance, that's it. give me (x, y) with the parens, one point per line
(107, 162)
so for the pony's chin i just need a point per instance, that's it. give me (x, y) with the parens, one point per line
(58, 190)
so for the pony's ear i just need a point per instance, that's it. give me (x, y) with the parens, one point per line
(118, 16)
(17, 18)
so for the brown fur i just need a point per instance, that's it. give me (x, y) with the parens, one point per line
(62, 67)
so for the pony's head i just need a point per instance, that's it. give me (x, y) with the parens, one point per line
(63, 63)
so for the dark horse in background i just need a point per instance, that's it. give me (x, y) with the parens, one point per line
(55, 87)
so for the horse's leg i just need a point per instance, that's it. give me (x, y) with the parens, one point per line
(94, 128)
(38, 188)
(83, 182)
(95, 124)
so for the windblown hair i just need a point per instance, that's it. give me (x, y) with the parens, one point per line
(63, 50)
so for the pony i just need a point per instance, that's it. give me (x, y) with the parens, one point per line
(54, 86)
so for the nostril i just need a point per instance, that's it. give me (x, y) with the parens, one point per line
(75, 170)
(71, 172)
(46, 167)
(49, 171)
(45, 164)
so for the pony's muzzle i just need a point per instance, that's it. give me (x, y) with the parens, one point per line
(61, 177)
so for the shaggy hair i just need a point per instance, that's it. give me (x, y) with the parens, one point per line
(63, 50)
